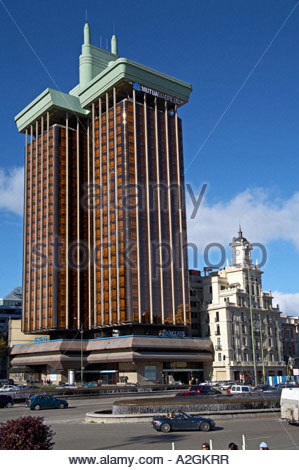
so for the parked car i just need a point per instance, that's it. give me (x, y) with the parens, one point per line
(214, 384)
(40, 402)
(66, 386)
(225, 384)
(90, 384)
(196, 390)
(31, 387)
(6, 401)
(234, 389)
(7, 382)
(286, 385)
(264, 388)
(182, 422)
(9, 388)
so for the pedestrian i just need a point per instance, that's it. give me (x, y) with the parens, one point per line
(232, 446)
(264, 446)
(205, 446)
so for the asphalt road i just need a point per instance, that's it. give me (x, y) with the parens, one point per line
(73, 433)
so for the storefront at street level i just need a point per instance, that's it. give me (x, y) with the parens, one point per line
(141, 358)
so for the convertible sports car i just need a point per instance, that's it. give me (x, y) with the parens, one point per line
(182, 422)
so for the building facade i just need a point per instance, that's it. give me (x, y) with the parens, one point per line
(290, 340)
(10, 308)
(105, 222)
(243, 322)
(200, 320)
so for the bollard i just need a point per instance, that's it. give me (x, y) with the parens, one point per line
(243, 442)
(211, 444)
(172, 446)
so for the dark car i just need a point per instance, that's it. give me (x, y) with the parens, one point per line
(282, 385)
(182, 422)
(40, 402)
(7, 382)
(264, 388)
(6, 401)
(196, 390)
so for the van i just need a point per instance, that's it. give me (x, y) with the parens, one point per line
(240, 389)
(289, 405)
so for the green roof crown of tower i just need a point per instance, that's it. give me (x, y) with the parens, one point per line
(99, 71)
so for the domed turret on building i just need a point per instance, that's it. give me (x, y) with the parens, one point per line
(241, 251)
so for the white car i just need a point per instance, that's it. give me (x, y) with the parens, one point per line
(66, 386)
(225, 385)
(240, 389)
(9, 388)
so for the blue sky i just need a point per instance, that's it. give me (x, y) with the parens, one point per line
(243, 64)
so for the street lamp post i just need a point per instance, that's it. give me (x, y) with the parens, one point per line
(251, 324)
(81, 357)
(262, 349)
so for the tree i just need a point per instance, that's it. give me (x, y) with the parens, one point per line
(3, 347)
(26, 433)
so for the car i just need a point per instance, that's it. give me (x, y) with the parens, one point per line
(235, 389)
(264, 388)
(6, 401)
(66, 386)
(31, 387)
(9, 388)
(7, 382)
(282, 385)
(214, 384)
(226, 384)
(39, 402)
(182, 421)
(90, 384)
(196, 390)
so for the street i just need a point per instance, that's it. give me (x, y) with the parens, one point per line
(73, 433)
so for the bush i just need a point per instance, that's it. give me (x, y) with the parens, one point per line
(26, 433)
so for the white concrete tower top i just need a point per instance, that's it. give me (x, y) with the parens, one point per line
(241, 251)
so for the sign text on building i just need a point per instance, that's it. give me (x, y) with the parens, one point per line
(40, 339)
(156, 93)
(172, 334)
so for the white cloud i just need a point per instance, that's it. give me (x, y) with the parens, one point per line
(263, 218)
(12, 190)
(288, 303)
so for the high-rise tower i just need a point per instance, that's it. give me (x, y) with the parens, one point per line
(105, 228)
(105, 223)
